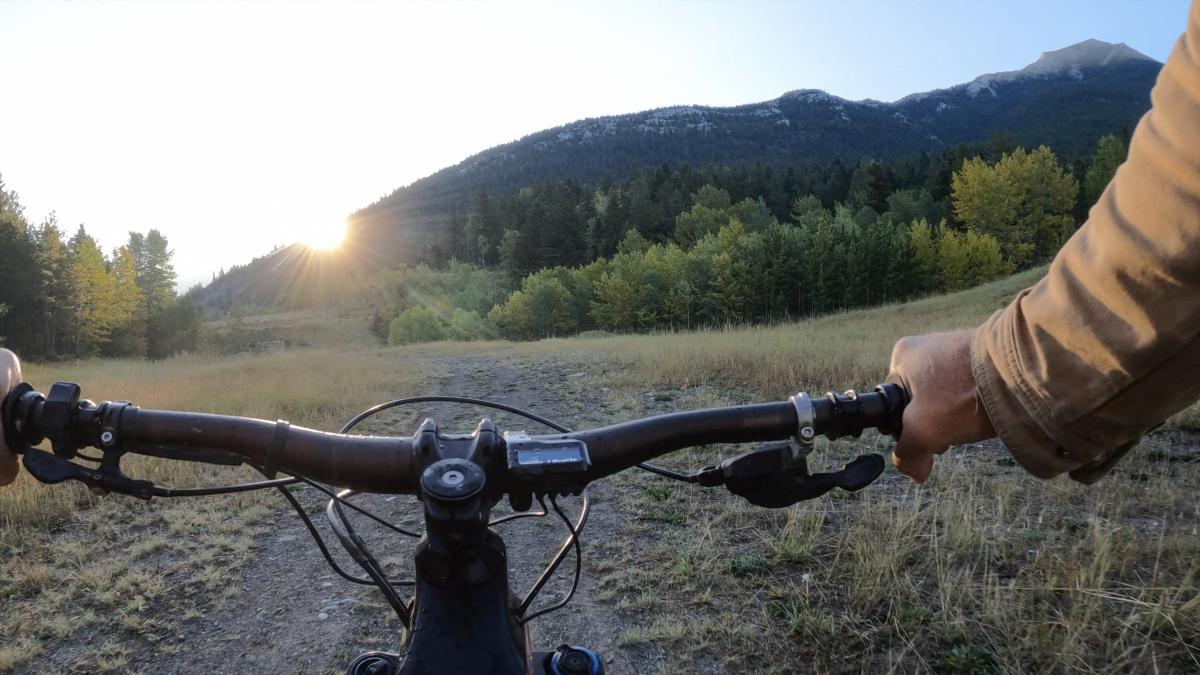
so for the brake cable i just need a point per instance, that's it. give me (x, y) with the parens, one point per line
(340, 498)
(516, 516)
(354, 544)
(452, 399)
(225, 489)
(312, 530)
(498, 406)
(358, 550)
(549, 571)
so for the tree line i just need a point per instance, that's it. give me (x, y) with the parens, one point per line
(567, 223)
(62, 296)
(608, 257)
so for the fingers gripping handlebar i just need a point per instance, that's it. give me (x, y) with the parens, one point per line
(771, 477)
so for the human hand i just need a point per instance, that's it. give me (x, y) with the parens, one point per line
(10, 376)
(945, 409)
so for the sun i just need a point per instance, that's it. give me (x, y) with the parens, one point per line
(326, 237)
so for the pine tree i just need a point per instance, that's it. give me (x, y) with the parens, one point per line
(92, 296)
(509, 247)
(837, 181)
(155, 276)
(1110, 154)
(54, 291)
(20, 279)
(128, 336)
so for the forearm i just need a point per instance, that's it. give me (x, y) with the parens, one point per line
(1104, 348)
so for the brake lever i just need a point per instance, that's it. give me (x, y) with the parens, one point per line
(774, 476)
(51, 469)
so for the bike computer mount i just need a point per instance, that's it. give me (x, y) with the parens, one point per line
(544, 466)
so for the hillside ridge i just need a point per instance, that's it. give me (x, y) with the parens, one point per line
(1066, 99)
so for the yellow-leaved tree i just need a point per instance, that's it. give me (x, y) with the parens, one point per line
(1024, 202)
(967, 259)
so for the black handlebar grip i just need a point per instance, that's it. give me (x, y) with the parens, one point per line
(20, 413)
(848, 414)
(898, 397)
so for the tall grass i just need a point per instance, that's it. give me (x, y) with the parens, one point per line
(983, 571)
(109, 558)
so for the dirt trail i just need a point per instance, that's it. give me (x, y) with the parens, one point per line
(295, 615)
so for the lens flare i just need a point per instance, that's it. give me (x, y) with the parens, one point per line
(326, 237)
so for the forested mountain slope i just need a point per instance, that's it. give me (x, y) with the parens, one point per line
(1066, 99)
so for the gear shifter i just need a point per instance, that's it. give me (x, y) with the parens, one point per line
(774, 477)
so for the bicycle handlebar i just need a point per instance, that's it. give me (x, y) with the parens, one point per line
(394, 465)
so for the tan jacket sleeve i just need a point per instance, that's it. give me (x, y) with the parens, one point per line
(1107, 345)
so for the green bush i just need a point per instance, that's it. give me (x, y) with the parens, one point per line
(550, 303)
(466, 325)
(417, 324)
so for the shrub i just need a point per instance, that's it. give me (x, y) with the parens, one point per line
(466, 325)
(417, 324)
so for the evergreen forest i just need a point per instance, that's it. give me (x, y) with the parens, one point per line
(677, 249)
(61, 296)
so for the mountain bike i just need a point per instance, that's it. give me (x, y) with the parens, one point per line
(462, 616)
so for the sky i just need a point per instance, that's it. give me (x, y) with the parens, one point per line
(234, 127)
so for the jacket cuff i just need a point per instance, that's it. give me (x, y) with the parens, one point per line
(1024, 437)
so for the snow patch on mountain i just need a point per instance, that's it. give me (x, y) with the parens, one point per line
(979, 85)
(812, 96)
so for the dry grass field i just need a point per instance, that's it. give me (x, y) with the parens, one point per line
(981, 570)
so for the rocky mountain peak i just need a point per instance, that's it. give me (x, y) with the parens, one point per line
(1086, 54)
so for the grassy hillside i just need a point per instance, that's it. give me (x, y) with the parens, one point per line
(832, 352)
